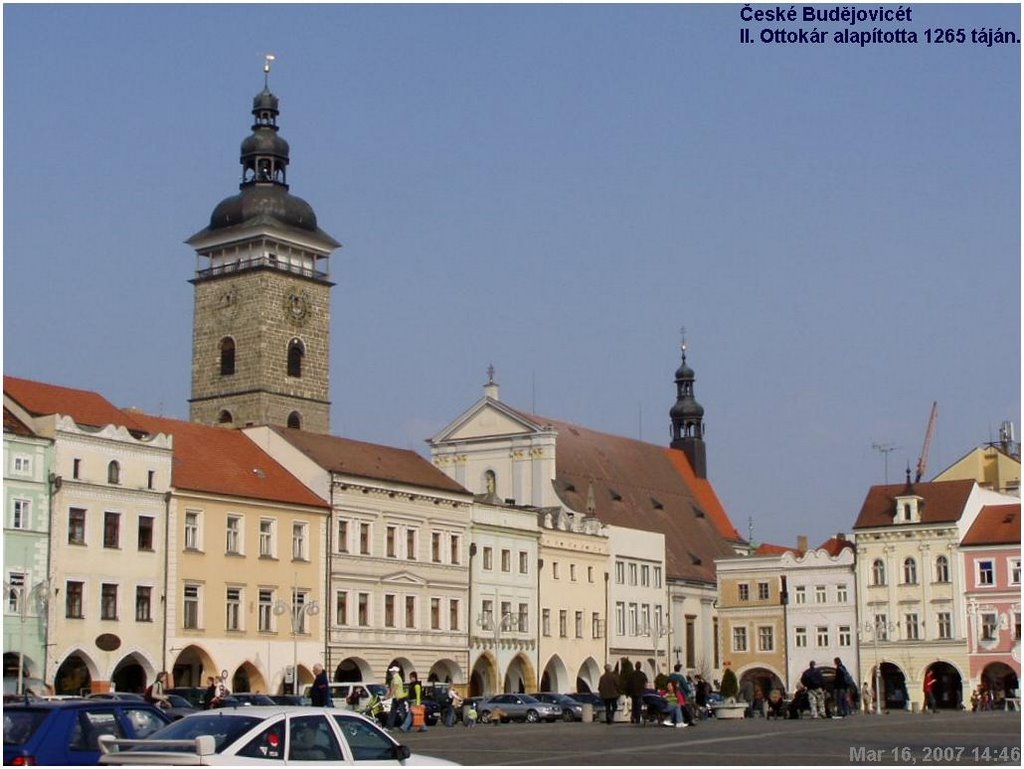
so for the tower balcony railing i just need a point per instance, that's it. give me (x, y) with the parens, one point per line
(253, 262)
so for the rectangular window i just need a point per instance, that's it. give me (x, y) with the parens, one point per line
(820, 594)
(410, 544)
(233, 615)
(744, 591)
(266, 610)
(579, 624)
(453, 614)
(506, 616)
(634, 620)
(881, 627)
(190, 613)
(76, 526)
(143, 604)
(73, 600)
(20, 514)
(554, 569)
(596, 628)
(76, 468)
(620, 573)
(714, 640)
(16, 581)
(299, 542)
(523, 623)
(23, 465)
(266, 538)
(389, 542)
(572, 572)
(1014, 571)
(364, 539)
(342, 538)
(389, 611)
(524, 562)
(632, 574)
(645, 576)
(456, 549)
(766, 638)
(945, 625)
(145, 532)
(821, 637)
(801, 594)
(363, 609)
(435, 613)
(487, 615)
(546, 622)
(150, 478)
(506, 561)
(341, 608)
(590, 574)
(841, 594)
(763, 591)
(986, 573)
(620, 618)
(845, 636)
(410, 611)
(488, 559)
(911, 627)
(111, 530)
(1016, 626)
(989, 626)
(739, 639)
(691, 639)
(435, 546)
(801, 637)
(657, 576)
(233, 535)
(108, 601)
(299, 600)
(563, 623)
(191, 530)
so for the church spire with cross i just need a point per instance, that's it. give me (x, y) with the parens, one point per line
(688, 417)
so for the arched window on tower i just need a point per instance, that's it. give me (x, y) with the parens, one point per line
(227, 356)
(113, 473)
(295, 420)
(225, 417)
(295, 354)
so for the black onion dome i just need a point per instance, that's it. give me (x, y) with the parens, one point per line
(264, 100)
(685, 372)
(686, 407)
(265, 142)
(258, 200)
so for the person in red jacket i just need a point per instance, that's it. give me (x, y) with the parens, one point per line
(929, 694)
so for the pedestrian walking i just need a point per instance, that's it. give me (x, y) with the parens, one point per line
(320, 692)
(398, 694)
(417, 713)
(155, 691)
(637, 686)
(211, 692)
(866, 698)
(608, 688)
(841, 689)
(929, 692)
(814, 682)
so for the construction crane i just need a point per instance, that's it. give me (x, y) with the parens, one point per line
(922, 461)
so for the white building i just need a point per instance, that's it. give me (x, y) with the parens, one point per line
(638, 624)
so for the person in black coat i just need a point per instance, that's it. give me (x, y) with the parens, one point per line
(320, 692)
(637, 687)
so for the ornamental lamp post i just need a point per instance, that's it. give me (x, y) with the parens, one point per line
(877, 628)
(298, 609)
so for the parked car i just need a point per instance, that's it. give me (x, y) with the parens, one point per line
(250, 698)
(197, 696)
(276, 735)
(572, 710)
(66, 732)
(591, 697)
(289, 699)
(518, 707)
(122, 696)
(352, 694)
(177, 707)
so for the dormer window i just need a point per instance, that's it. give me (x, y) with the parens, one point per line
(908, 510)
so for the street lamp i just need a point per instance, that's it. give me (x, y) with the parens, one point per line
(298, 609)
(21, 597)
(678, 651)
(656, 631)
(878, 628)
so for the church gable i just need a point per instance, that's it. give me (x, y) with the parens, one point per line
(486, 419)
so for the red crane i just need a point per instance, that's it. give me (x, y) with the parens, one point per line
(922, 461)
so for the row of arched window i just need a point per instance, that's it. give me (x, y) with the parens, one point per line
(296, 352)
(879, 578)
(294, 419)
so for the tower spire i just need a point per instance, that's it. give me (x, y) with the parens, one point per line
(688, 416)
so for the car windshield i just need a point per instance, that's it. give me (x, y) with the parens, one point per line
(224, 729)
(21, 723)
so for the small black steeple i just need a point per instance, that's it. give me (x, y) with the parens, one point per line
(264, 153)
(688, 419)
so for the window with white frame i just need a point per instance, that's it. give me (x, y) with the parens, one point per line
(266, 538)
(523, 621)
(545, 619)
(821, 636)
(765, 638)
(389, 610)
(989, 626)
(23, 465)
(554, 569)
(633, 619)
(763, 591)
(596, 625)
(112, 530)
(881, 627)
(1016, 626)
(488, 558)
(800, 593)
(911, 627)
(390, 550)
(845, 636)
(506, 560)
(363, 609)
(620, 573)
(114, 473)
(299, 600)
(620, 618)
(341, 540)
(572, 572)
(657, 576)
(456, 549)
(21, 510)
(300, 541)
(411, 546)
(986, 573)
(233, 613)
(820, 594)
(265, 610)
(739, 639)
(524, 562)
(632, 574)
(233, 535)
(1014, 571)
(942, 569)
(487, 614)
(410, 611)
(944, 624)
(563, 623)
(453, 614)
(909, 571)
(579, 624)
(74, 603)
(108, 601)
(743, 590)
(15, 591)
(341, 607)
(645, 576)
(435, 613)
(143, 603)
(190, 607)
(192, 539)
(800, 637)
(364, 539)
(878, 572)
(842, 595)
(435, 547)
(145, 532)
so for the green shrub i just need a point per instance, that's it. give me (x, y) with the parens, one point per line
(730, 686)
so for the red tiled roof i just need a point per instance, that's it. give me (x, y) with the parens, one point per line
(834, 546)
(766, 548)
(646, 487)
(943, 501)
(85, 407)
(224, 461)
(369, 460)
(995, 525)
(15, 426)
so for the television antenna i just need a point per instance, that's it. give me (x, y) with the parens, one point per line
(885, 449)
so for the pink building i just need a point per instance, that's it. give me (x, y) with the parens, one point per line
(991, 562)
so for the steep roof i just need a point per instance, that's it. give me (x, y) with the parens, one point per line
(943, 502)
(218, 460)
(834, 546)
(995, 525)
(84, 406)
(15, 426)
(369, 460)
(643, 486)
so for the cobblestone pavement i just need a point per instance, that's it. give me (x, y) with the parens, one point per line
(897, 739)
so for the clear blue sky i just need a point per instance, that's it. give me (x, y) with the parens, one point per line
(556, 190)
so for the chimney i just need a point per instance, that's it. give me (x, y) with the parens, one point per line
(801, 543)
(841, 536)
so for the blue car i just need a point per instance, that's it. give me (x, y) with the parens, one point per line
(66, 733)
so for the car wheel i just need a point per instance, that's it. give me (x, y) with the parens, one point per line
(532, 716)
(485, 716)
(567, 715)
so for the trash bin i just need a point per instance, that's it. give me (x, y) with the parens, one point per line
(587, 716)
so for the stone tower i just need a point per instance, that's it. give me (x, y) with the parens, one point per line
(688, 420)
(262, 296)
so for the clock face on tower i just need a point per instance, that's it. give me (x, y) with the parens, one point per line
(296, 307)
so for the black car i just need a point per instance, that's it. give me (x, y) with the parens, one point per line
(572, 709)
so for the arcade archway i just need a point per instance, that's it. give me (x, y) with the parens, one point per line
(353, 669)
(483, 679)
(520, 676)
(132, 675)
(74, 676)
(556, 677)
(588, 675)
(190, 666)
(948, 690)
(1000, 679)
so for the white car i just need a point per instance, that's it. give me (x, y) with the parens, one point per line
(264, 735)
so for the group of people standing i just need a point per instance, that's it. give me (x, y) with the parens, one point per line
(673, 704)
